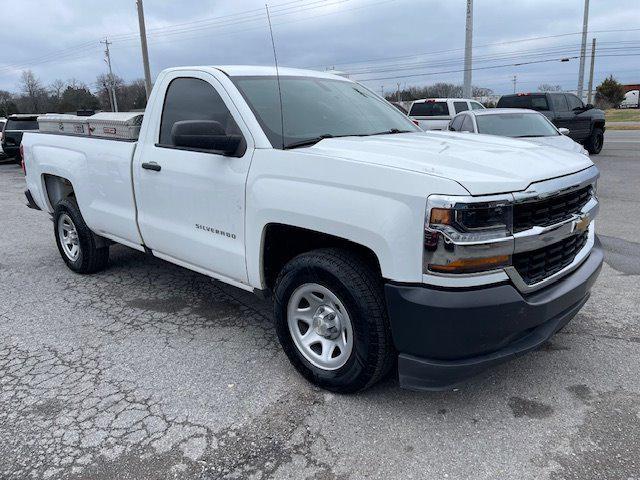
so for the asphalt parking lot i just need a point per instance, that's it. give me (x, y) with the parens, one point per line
(150, 371)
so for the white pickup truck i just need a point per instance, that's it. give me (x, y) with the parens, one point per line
(436, 113)
(381, 245)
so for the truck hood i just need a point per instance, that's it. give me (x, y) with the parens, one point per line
(559, 141)
(483, 164)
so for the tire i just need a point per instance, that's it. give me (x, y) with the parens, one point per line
(359, 295)
(91, 254)
(595, 142)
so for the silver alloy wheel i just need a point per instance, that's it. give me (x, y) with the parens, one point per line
(320, 326)
(68, 236)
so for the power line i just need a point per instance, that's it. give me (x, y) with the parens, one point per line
(74, 50)
(522, 54)
(489, 67)
(569, 48)
(495, 44)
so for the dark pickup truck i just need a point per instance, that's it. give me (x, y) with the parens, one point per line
(12, 133)
(565, 110)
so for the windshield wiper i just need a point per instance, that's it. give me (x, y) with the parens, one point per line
(308, 141)
(314, 140)
(392, 131)
(529, 136)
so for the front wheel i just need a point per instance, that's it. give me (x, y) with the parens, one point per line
(595, 142)
(331, 320)
(80, 248)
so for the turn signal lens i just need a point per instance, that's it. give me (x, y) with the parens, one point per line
(441, 216)
(472, 265)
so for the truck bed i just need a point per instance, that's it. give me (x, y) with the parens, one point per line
(99, 169)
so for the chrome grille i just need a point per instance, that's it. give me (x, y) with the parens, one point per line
(536, 265)
(549, 211)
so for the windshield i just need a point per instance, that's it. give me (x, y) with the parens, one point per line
(534, 102)
(429, 109)
(318, 107)
(515, 125)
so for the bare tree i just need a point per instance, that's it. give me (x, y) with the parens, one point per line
(32, 91)
(481, 91)
(547, 87)
(56, 88)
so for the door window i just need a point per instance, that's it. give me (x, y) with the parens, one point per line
(456, 123)
(467, 124)
(476, 106)
(460, 106)
(559, 102)
(193, 99)
(574, 102)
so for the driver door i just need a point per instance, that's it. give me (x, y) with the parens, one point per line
(191, 203)
(579, 123)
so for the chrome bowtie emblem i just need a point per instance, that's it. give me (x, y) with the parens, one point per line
(581, 224)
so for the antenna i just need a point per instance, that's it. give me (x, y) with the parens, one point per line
(275, 58)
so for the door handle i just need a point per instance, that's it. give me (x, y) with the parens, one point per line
(152, 166)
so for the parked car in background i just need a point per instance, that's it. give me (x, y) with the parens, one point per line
(2, 122)
(586, 123)
(516, 123)
(12, 132)
(631, 99)
(377, 241)
(436, 113)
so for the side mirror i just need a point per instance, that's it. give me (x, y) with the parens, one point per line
(588, 106)
(204, 135)
(564, 131)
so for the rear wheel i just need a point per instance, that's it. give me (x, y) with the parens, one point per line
(595, 142)
(331, 320)
(80, 248)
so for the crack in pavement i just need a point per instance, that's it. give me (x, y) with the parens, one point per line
(62, 418)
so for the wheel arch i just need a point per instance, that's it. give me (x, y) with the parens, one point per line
(598, 123)
(281, 243)
(56, 188)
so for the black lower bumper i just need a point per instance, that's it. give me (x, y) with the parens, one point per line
(446, 336)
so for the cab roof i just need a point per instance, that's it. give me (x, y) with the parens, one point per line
(497, 111)
(425, 100)
(269, 71)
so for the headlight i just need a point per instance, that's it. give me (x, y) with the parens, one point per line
(453, 227)
(471, 222)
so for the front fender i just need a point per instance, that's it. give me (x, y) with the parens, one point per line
(374, 206)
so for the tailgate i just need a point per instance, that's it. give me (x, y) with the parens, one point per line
(433, 123)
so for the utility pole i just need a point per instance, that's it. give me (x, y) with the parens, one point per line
(583, 48)
(111, 77)
(145, 51)
(398, 95)
(515, 81)
(382, 90)
(468, 45)
(593, 61)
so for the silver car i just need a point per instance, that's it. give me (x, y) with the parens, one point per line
(519, 123)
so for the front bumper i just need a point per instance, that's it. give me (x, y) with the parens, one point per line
(446, 336)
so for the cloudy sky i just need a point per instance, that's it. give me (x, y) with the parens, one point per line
(380, 42)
